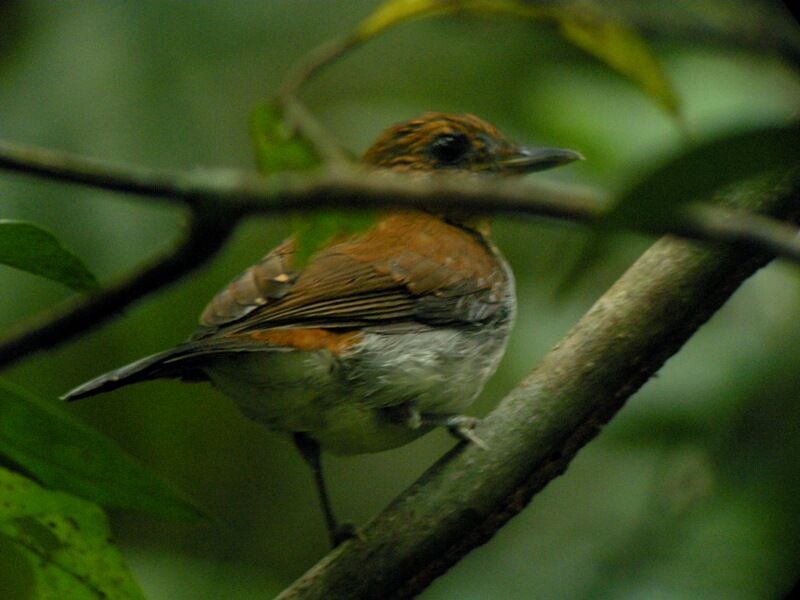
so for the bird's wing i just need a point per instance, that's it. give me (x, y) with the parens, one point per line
(410, 267)
(266, 282)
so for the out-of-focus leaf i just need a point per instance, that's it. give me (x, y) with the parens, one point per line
(63, 542)
(652, 204)
(317, 230)
(278, 145)
(700, 171)
(30, 248)
(65, 454)
(583, 24)
(622, 49)
(394, 12)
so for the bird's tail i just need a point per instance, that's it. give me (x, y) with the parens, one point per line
(170, 363)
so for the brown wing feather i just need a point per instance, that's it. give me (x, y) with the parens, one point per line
(408, 267)
(268, 280)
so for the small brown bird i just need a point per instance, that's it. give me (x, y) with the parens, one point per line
(383, 335)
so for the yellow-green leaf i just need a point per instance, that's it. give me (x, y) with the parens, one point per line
(622, 49)
(30, 248)
(583, 24)
(394, 12)
(59, 545)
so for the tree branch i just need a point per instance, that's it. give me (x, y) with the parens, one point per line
(342, 187)
(247, 192)
(206, 233)
(462, 500)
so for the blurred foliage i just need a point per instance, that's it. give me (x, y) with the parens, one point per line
(700, 171)
(692, 492)
(65, 454)
(281, 146)
(596, 31)
(59, 546)
(278, 146)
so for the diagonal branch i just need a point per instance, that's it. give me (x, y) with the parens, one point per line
(537, 429)
(206, 233)
(247, 192)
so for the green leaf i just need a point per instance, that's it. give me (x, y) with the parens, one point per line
(652, 204)
(701, 170)
(64, 454)
(621, 48)
(280, 148)
(278, 145)
(315, 231)
(584, 24)
(59, 545)
(30, 248)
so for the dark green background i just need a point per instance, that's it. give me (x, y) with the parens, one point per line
(692, 492)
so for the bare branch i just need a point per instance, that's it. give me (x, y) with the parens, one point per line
(206, 234)
(461, 501)
(314, 61)
(353, 188)
(346, 188)
(746, 228)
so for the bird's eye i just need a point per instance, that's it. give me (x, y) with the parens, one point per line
(450, 148)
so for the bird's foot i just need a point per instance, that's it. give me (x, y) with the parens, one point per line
(460, 426)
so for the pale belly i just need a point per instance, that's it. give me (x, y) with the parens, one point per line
(364, 400)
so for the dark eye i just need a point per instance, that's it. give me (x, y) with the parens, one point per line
(450, 148)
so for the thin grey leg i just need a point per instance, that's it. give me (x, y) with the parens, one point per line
(309, 450)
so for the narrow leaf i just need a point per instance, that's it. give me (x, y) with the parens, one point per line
(62, 542)
(64, 454)
(621, 48)
(584, 24)
(394, 12)
(30, 248)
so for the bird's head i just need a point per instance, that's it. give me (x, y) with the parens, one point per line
(462, 143)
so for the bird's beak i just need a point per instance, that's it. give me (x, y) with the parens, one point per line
(529, 160)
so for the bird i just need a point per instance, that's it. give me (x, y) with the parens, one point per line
(383, 334)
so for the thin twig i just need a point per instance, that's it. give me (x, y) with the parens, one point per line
(206, 233)
(313, 61)
(353, 188)
(309, 127)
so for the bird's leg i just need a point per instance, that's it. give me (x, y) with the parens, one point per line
(460, 426)
(309, 450)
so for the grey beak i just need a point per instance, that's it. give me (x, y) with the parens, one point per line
(529, 160)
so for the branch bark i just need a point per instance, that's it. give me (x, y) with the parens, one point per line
(462, 500)
(240, 193)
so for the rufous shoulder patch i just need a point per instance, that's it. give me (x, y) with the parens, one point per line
(307, 339)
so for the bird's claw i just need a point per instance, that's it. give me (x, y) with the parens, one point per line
(463, 428)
